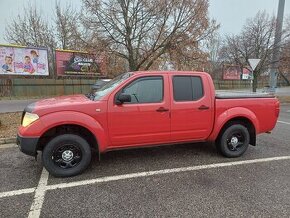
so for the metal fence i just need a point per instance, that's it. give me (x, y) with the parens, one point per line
(236, 84)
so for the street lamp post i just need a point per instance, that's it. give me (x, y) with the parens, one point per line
(276, 49)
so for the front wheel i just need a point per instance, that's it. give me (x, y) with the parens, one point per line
(66, 155)
(234, 141)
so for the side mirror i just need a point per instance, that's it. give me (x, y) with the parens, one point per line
(123, 98)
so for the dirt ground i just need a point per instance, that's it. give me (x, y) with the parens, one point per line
(284, 99)
(9, 123)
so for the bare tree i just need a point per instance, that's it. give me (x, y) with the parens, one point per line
(68, 27)
(255, 41)
(187, 57)
(284, 68)
(30, 29)
(212, 46)
(141, 31)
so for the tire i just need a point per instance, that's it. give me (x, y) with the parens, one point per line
(66, 155)
(234, 141)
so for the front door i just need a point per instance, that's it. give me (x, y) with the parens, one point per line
(144, 120)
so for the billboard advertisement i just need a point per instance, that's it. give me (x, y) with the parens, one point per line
(232, 73)
(78, 63)
(23, 61)
(246, 74)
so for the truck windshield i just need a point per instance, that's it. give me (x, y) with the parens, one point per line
(111, 85)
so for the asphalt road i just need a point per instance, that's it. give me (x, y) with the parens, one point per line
(190, 180)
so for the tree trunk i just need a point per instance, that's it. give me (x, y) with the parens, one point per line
(132, 62)
(255, 82)
(132, 65)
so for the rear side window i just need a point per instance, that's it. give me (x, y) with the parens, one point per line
(145, 90)
(187, 88)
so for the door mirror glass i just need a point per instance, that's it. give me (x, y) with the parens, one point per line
(123, 98)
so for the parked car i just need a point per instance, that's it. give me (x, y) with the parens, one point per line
(143, 109)
(99, 83)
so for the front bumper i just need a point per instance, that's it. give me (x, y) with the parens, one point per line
(27, 145)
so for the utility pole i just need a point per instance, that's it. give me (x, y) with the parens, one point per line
(277, 45)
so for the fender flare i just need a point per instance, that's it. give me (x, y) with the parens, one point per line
(232, 113)
(76, 118)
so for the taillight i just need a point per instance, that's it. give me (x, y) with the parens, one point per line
(277, 108)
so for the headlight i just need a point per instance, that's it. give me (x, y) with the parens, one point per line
(29, 118)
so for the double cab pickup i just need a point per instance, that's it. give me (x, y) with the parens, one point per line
(139, 109)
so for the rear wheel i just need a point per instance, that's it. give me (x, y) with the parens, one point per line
(66, 155)
(234, 141)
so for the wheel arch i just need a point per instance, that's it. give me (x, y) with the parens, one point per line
(69, 121)
(76, 129)
(243, 121)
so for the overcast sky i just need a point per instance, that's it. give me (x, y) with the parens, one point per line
(231, 14)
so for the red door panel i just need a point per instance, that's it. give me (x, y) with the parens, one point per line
(139, 123)
(191, 119)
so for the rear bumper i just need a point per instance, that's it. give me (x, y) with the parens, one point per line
(27, 145)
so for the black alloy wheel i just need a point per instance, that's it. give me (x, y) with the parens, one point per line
(234, 141)
(66, 155)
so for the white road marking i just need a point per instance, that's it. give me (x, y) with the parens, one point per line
(161, 172)
(43, 187)
(279, 121)
(8, 146)
(17, 192)
(36, 206)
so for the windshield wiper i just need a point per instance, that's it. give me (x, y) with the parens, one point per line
(90, 96)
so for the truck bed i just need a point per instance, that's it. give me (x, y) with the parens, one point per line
(239, 95)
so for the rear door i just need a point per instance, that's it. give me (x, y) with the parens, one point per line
(144, 120)
(191, 108)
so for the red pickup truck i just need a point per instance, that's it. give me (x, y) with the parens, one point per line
(140, 109)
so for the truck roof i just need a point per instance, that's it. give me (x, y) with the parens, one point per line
(168, 72)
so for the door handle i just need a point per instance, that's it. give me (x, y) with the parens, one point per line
(203, 107)
(162, 109)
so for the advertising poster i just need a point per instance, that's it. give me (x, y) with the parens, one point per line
(232, 73)
(246, 74)
(23, 61)
(78, 63)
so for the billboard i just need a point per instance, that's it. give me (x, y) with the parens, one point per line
(232, 73)
(246, 74)
(78, 63)
(23, 61)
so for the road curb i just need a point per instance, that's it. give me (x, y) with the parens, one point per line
(4, 141)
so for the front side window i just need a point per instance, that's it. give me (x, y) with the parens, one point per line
(110, 86)
(187, 88)
(145, 90)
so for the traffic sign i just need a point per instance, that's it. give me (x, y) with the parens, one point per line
(254, 63)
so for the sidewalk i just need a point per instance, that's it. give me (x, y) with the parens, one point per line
(14, 105)
(282, 91)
